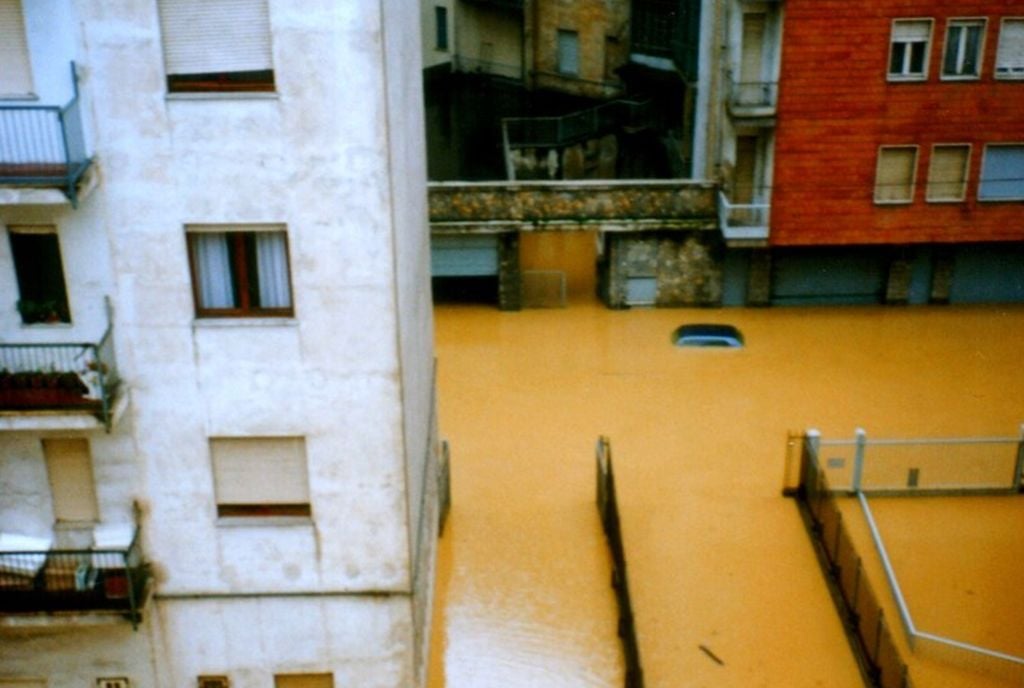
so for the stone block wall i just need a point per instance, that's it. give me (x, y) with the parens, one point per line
(687, 267)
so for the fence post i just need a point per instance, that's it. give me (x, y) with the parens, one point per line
(858, 461)
(1018, 478)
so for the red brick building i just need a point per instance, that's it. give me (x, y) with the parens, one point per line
(900, 137)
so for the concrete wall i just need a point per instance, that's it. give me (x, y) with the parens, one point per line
(595, 21)
(432, 53)
(489, 39)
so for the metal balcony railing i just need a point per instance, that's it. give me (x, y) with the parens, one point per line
(529, 132)
(753, 97)
(743, 221)
(109, 576)
(44, 145)
(73, 377)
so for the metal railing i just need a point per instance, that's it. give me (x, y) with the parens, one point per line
(478, 66)
(757, 96)
(743, 220)
(554, 132)
(66, 376)
(44, 145)
(74, 580)
(608, 508)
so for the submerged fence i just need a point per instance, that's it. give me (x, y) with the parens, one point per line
(608, 507)
(864, 616)
(962, 466)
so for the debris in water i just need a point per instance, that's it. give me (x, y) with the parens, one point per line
(706, 650)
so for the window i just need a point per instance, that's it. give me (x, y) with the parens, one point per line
(568, 52)
(908, 52)
(1010, 54)
(69, 468)
(441, 27)
(15, 69)
(42, 297)
(240, 273)
(894, 176)
(1002, 173)
(260, 476)
(962, 58)
(216, 45)
(947, 172)
(303, 681)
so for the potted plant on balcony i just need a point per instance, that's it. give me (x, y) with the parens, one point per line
(37, 389)
(49, 311)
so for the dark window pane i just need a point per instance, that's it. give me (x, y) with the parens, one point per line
(972, 50)
(41, 290)
(952, 48)
(262, 80)
(896, 62)
(917, 58)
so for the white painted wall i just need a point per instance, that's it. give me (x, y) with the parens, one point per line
(337, 156)
(432, 56)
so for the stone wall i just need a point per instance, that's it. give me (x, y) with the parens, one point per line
(687, 267)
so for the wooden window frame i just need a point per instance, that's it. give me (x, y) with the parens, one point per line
(1014, 76)
(926, 66)
(913, 174)
(967, 173)
(964, 21)
(241, 274)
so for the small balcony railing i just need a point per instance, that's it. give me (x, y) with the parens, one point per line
(44, 145)
(743, 221)
(529, 132)
(70, 377)
(109, 576)
(753, 98)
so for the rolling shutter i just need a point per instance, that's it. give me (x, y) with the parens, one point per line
(895, 175)
(264, 470)
(215, 36)
(15, 68)
(947, 173)
(1010, 56)
(69, 467)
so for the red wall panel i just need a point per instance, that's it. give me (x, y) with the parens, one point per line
(836, 108)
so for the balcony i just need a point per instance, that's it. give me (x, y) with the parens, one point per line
(43, 146)
(59, 386)
(616, 206)
(107, 576)
(754, 100)
(743, 224)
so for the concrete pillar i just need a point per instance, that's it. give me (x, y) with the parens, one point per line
(759, 284)
(897, 289)
(509, 274)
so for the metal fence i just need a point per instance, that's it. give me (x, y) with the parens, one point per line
(858, 601)
(923, 466)
(554, 132)
(608, 507)
(44, 144)
(65, 580)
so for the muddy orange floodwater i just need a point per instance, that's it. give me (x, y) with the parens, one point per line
(718, 558)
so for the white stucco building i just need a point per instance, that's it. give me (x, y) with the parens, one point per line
(223, 235)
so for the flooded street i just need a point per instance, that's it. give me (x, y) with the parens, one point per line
(717, 557)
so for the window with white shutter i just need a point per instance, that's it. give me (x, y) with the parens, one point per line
(894, 176)
(1010, 54)
(260, 476)
(947, 172)
(908, 49)
(15, 68)
(217, 45)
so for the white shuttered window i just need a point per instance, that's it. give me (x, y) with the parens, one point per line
(15, 69)
(260, 476)
(947, 172)
(1010, 54)
(225, 41)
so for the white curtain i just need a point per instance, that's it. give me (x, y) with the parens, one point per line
(272, 267)
(213, 265)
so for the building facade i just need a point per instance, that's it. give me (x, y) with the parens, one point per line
(215, 265)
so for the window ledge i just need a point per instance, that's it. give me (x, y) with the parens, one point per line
(960, 77)
(216, 323)
(232, 95)
(913, 79)
(19, 96)
(46, 326)
(264, 521)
